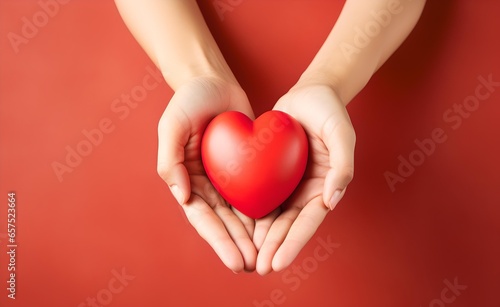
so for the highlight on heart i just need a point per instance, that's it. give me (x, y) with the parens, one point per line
(254, 165)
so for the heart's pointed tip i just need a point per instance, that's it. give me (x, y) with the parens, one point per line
(256, 216)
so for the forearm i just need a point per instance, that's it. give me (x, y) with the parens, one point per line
(365, 35)
(175, 36)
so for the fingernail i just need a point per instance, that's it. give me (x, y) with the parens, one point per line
(337, 195)
(177, 193)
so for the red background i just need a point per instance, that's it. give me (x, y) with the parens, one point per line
(113, 211)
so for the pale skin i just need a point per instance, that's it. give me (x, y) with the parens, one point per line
(175, 36)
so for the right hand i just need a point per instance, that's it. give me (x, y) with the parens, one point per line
(180, 131)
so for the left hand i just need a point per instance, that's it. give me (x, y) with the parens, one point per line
(180, 131)
(280, 236)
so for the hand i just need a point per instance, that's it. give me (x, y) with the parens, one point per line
(280, 236)
(180, 132)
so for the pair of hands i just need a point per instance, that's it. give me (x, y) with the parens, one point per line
(272, 242)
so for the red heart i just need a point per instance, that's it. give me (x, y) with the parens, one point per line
(256, 165)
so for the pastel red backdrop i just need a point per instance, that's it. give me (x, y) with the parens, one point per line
(431, 240)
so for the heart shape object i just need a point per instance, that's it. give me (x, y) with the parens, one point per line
(254, 165)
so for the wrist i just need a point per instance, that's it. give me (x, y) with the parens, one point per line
(198, 62)
(321, 78)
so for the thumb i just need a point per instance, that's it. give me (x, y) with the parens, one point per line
(173, 135)
(340, 139)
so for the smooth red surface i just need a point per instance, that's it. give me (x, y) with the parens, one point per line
(113, 211)
(255, 165)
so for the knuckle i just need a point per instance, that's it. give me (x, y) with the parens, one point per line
(162, 171)
(347, 173)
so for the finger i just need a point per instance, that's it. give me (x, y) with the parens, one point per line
(300, 233)
(310, 189)
(262, 227)
(340, 139)
(211, 228)
(239, 235)
(173, 135)
(234, 227)
(247, 222)
(274, 238)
